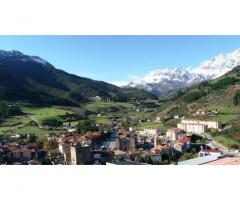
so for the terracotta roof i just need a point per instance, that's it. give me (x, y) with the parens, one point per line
(225, 161)
(211, 150)
(158, 148)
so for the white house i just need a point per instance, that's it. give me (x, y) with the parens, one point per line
(173, 134)
(209, 124)
(192, 128)
(150, 132)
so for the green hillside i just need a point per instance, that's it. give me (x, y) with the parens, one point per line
(219, 96)
(22, 78)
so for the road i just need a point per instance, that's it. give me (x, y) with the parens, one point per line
(215, 143)
(35, 120)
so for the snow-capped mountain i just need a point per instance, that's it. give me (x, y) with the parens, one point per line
(18, 56)
(164, 81)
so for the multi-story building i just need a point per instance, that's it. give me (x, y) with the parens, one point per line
(127, 143)
(197, 126)
(192, 128)
(209, 124)
(80, 154)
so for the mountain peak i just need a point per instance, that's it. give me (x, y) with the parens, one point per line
(19, 56)
(168, 79)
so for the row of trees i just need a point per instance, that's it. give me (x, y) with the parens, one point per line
(119, 99)
(9, 110)
(52, 123)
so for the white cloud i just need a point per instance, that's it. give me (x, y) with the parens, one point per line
(119, 83)
(133, 77)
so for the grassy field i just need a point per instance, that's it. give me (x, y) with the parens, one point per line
(73, 123)
(104, 106)
(45, 112)
(12, 124)
(227, 113)
(20, 124)
(228, 142)
(151, 124)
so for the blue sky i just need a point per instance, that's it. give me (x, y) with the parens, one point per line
(120, 58)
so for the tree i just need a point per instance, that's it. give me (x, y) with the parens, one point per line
(52, 123)
(49, 144)
(236, 98)
(9, 110)
(193, 96)
(142, 160)
(3, 110)
(86, 125)
(149, 160)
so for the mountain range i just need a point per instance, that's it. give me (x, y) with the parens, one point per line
(165, 81)
(34, 80)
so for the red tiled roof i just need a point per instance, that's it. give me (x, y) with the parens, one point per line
(183, 140)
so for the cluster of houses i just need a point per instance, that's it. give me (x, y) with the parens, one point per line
(204, 111)
(113, 146)
(21, 153)
(120, 147)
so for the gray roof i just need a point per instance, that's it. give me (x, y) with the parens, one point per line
(199, 160)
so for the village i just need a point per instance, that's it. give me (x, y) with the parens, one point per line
(187, 143)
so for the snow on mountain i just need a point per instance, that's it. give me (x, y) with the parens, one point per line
(164, 81)
(219, 65)
(17, 55)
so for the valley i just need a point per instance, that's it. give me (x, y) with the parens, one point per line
(114, 125)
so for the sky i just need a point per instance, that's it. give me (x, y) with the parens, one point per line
(120, 59)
